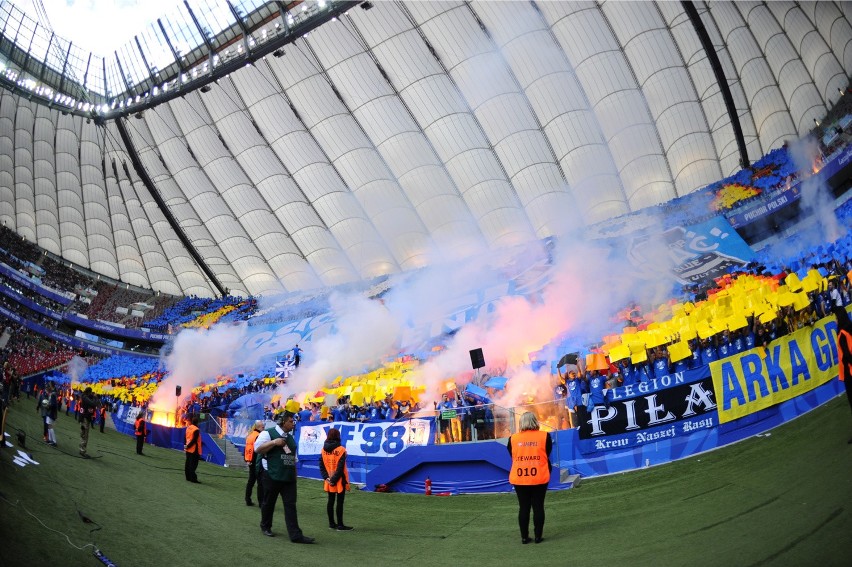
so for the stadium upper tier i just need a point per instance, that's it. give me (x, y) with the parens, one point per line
(392, 136)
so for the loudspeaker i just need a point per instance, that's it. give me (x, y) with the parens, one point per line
(112, 383)
(177, 390)
(477, 360)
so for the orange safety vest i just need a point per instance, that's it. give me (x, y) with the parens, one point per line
(330, 460)
(842, 364)
(529, 458)
(190, 430)
(140, 431)
(249, 451)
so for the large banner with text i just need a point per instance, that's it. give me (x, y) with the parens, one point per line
(379, 439)
(685, 406)
(791, 366)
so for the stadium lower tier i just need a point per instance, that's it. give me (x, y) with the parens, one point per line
(689, 413)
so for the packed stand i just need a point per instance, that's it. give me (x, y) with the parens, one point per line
(190, 309)
(28, 352)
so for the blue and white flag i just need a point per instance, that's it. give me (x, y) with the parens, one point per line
(283, 368)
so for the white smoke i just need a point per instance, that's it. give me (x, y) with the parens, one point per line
(198, 356)
(76, 369)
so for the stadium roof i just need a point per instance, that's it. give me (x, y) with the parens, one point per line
(369, 138)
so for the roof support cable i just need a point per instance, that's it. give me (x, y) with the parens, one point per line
(721, 79)
(149, 185)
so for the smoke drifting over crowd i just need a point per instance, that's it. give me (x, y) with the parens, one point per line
(198, 356)
(577, 295)
(817, 204)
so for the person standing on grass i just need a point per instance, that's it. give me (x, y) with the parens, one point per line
(52, 412)
(336, 476)
(844, 351)
(192, 448)
(88, 406)
(102, 417)
(42, 402)
(277, 468)
(248, 455)
(530, 473)
(140, 430)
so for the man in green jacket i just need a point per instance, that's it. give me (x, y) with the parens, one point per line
(277, 474)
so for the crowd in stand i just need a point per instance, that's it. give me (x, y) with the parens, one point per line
(28, 352)
(460, 416)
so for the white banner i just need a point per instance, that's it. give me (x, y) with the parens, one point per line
(379, 439)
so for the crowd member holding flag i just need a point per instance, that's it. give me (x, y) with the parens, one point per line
(336, 476)
(844, 351)
(530, 473)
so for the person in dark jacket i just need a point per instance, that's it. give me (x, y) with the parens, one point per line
(88, 408)
(140, 430)
(336, 476)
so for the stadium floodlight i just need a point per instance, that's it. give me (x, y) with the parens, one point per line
(322, 4)
(816, 122)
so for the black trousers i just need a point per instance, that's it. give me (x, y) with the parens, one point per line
(252, 480)
(531, 496)
(848, 385)
(190, 466)
(287, 490)
(338, 512)
(140, 442)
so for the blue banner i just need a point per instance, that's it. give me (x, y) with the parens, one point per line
(762, 209)
(78, 321)
(690, 253)
(105, 327)
(15, 275)
(14, 295)
(834, 166)
(66, 339)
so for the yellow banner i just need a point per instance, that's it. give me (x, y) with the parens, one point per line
(790, 366)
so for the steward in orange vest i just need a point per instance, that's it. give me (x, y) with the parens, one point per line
(336, 475)
(334, 460)
(844, 351)
(530, 463)
(530, 473)
(192, 448)
(248, 455)
(140, 430)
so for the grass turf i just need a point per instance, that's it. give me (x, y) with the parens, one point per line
(777, 500)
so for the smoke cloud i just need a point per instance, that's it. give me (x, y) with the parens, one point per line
(76, 368)
(198, 356)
